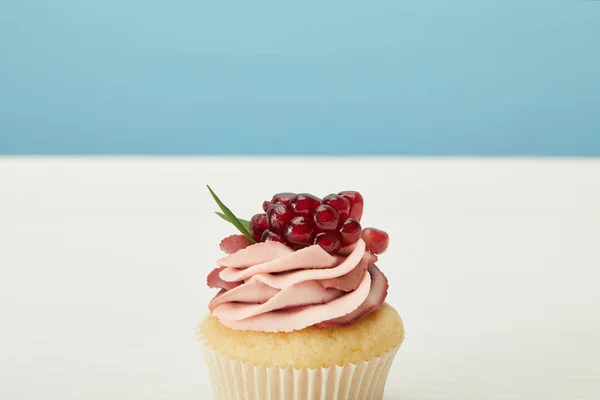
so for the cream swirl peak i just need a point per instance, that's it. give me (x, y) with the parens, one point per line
(313, 265)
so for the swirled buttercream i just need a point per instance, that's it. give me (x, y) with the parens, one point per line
(269, 287)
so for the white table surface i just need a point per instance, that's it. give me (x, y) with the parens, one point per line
(494, 265)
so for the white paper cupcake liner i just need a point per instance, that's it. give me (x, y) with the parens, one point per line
(234, 380)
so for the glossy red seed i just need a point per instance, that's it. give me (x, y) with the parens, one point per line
(326, 218)
(269, 236)
(350, 231)
(266, 205)
(341, 205)
(304, 204)
(377, 241)
(258, 224)
(356, 203)
(300, 231)
(283, 198)
(329, 241)
(278, 217)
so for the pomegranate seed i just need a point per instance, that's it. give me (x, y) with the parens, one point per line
(283, 198)
(329, 241)
(278, 216)
(266, 205)
(304, 204)
(258, 224)
(350, 231)
(300, 231)
(341, 205)
(377, 241)
(326, 218)
(269, 236)
(356, 203)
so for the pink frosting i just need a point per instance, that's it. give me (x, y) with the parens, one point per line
(269, 287)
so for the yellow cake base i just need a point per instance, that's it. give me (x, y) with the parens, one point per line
(311, 347)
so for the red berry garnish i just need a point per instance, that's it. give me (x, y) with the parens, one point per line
(269, 236)
(258, 224)
(266, 205)
(356, 203)
(300, 231)
(329, 241)
(283, 198)
(341, 205)
(300, 220)
(351, 231)
(376, 241)
(278, 216)
(326, 218)
(304, 204)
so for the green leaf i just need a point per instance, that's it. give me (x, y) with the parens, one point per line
(244, 222)
(227, 215)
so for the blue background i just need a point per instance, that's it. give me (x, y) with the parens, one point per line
(313, 77)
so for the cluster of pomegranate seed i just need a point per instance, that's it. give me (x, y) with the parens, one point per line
(301, 220)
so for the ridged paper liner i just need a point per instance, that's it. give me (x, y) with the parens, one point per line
(235, 380)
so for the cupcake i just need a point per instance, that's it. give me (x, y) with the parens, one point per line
(300, 311)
